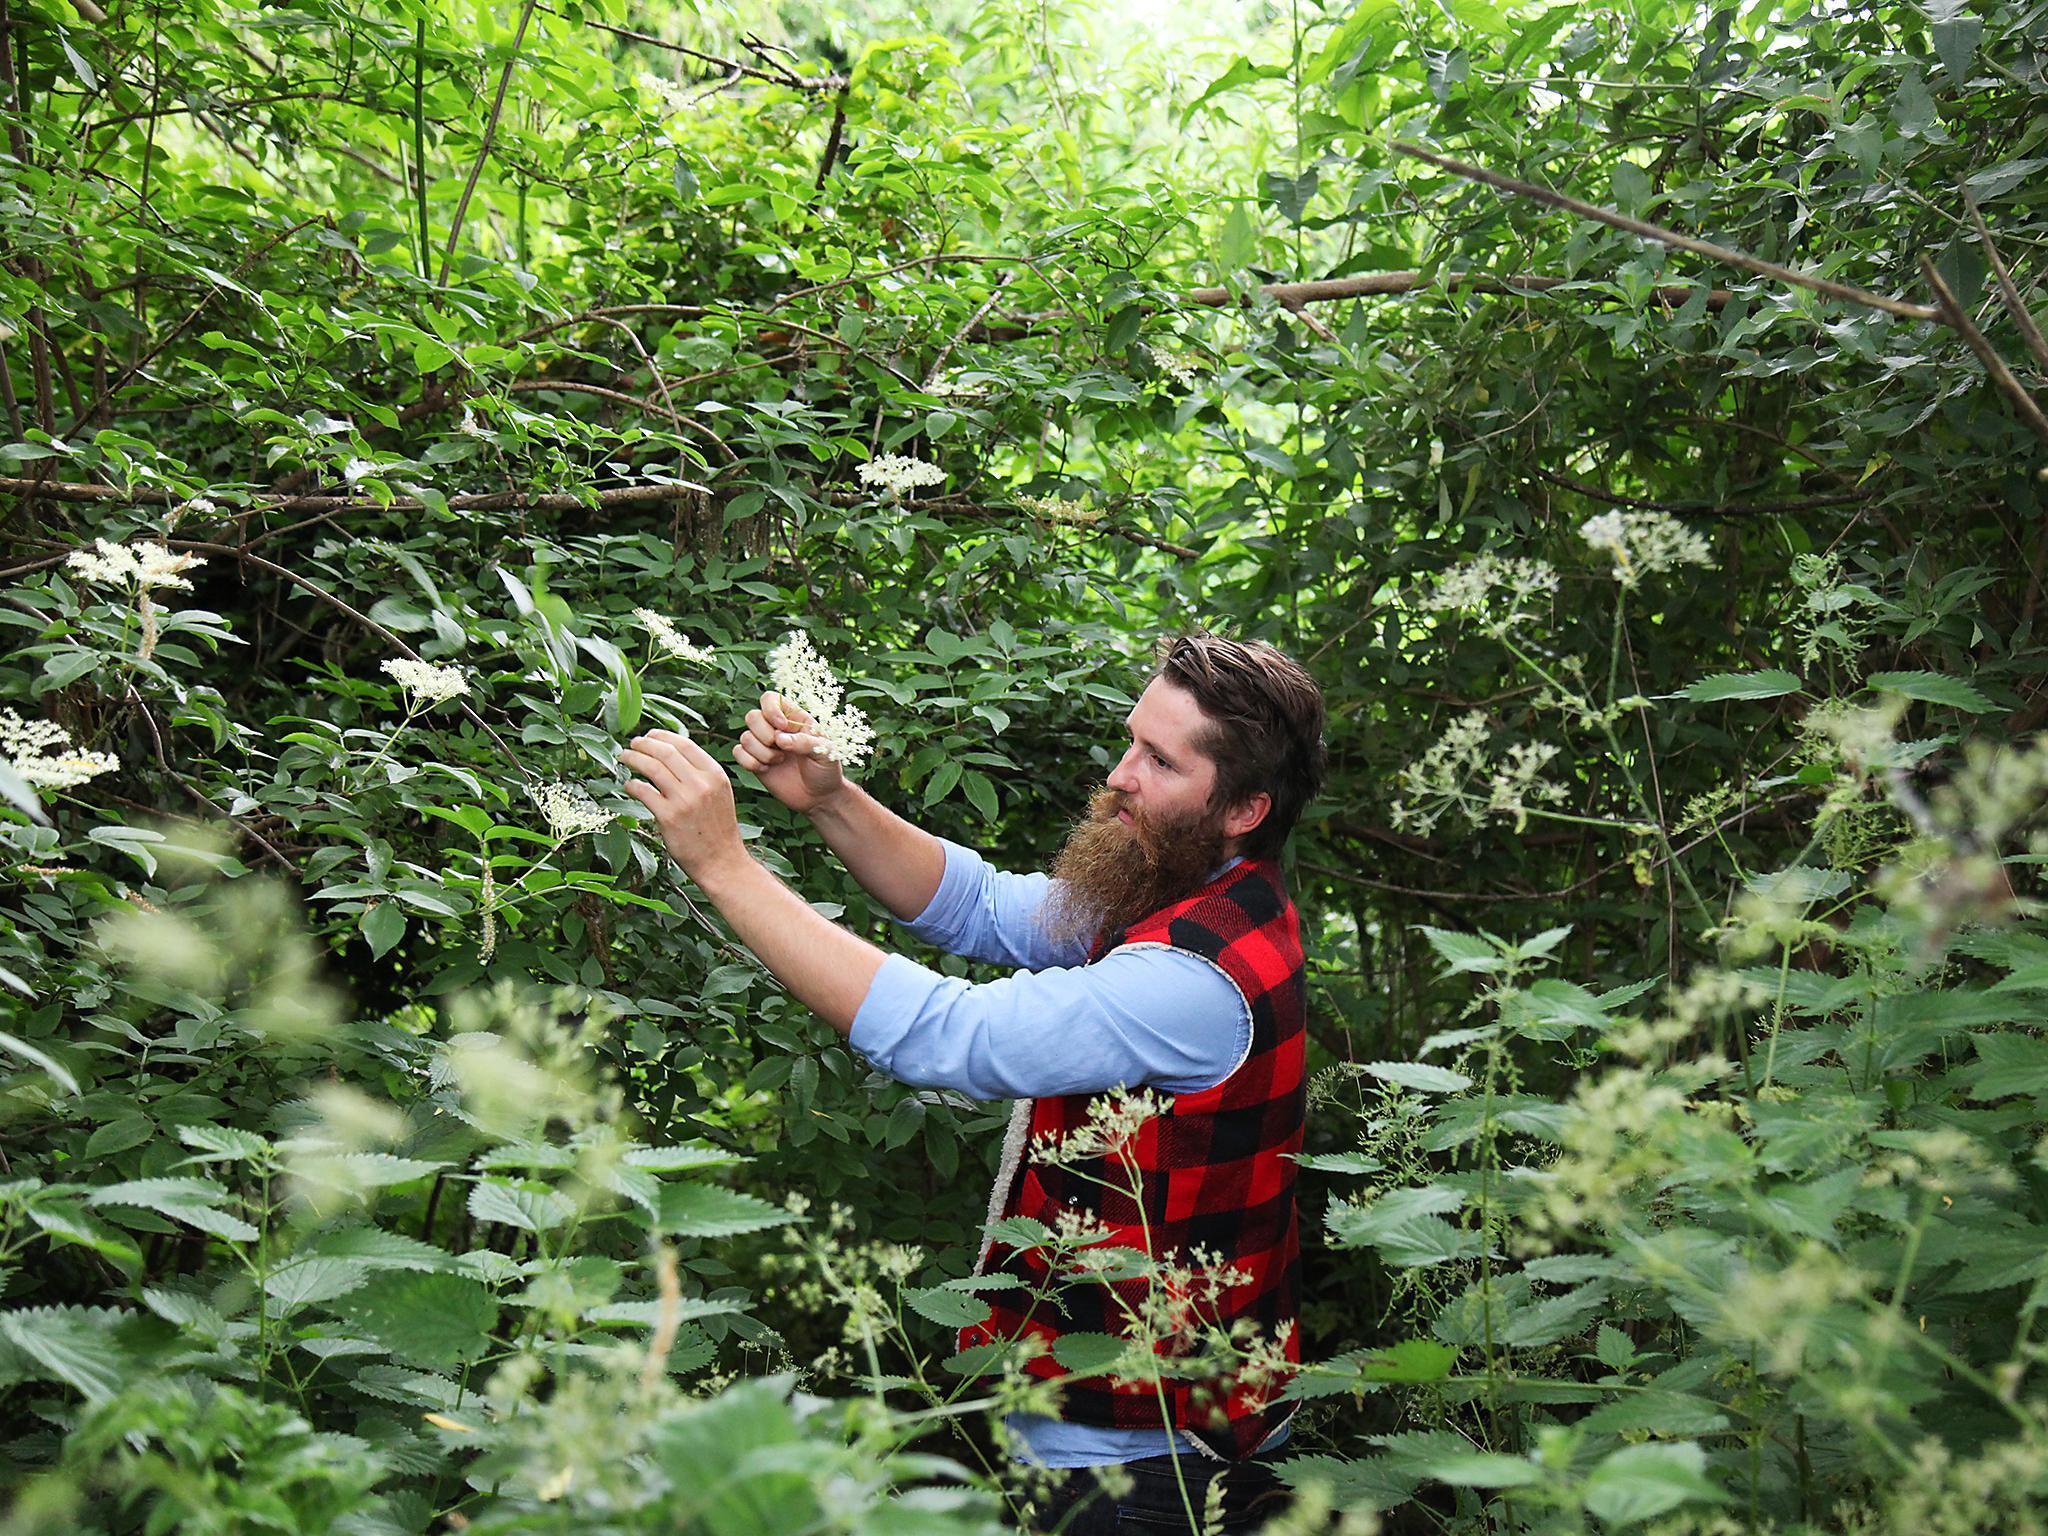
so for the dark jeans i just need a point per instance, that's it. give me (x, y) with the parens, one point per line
(1252, 1494)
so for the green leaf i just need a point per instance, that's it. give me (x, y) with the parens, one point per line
(76, 1345)
(433, 1320)
(1463, 951)
(2010, 1062)
(1770, 684)
(1932, 688)
(37, 1057)
(1482, 1469)
(1641, 1482)
(307, 1280)
(680, 1159)
(955, 1309)
(1417, 1075)
(710, 1210)
(530, 1207)
(1338, 1162)
(1411, 1361)
(383, 925)
(1088, 1354)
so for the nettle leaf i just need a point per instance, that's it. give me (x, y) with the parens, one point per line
(379, 1249)
(1657, 1412)
(1417, 1075)
(680, 1159)
(709, 1210)
(1371, 1484)
(1088, 1354)
(1405, 1226)
(395, 1384)
(1641, 1482)
(304, 1281)
(2008, 1063)
(423, 1319)
(1338, 1162)
(530, 1207)
(955, 1309)
(1932, 688)
(75, 1345)
(1464, 951)
(1720, 686)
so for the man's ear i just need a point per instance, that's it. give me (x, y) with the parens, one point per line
(1245, 816)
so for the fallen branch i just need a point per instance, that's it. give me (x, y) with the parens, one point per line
(1671, 237)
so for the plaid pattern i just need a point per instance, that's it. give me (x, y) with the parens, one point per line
(1214, 1174)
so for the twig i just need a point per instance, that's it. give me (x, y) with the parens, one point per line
(483, 150)
(1367, 285)
(932, 374)
(832, 141)
(1987, 354)
(786, 79)
(2022, 317)
(487, 501)
(175, 331)
(1671, 237)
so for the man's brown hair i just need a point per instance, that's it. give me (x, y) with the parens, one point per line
(1266, 726)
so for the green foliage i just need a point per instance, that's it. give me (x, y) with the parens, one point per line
(390, 1134)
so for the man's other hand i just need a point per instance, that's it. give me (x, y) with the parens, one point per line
(691, 798)
(779, 749)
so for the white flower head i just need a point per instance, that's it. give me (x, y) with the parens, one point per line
(801, 675)
(28, 745)
(1644, 543)
(1173, 364)
(1504, 591)
(569, 810)
(426, 683)
(1058, 509)
(670, 639)
(143, 565)
(897, 473)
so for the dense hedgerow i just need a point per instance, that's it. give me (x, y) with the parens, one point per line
(403, 404)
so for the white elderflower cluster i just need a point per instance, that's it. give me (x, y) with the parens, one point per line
(897, 473)
(800, 675)
(1645, 543)
(569, 810)
(1504, 592)
(142, 566)
(670, 639)
(1173, 364)
(1113, 1119)
(1457, 772)
(425, 683)
(1058, 509)
(43, 754)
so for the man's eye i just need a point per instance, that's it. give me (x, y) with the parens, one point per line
(1162, 762)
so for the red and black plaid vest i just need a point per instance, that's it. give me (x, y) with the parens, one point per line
(1214, 1184)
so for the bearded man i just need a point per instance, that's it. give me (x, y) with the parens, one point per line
(1160, 952)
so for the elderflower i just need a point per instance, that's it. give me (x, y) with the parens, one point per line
(1644, 543)
(143, 565)
(569, 810)
(897, 473)
(670, 639)
(426, 683)
(801, 676)
(1058, 509)
(26, 745)
(1445, 775)
(1172, 364)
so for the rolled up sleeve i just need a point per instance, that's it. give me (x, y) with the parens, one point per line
(1138, 1017)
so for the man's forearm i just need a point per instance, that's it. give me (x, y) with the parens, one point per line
(896, 863)
(828, 969)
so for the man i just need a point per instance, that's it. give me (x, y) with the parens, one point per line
(1160, 952)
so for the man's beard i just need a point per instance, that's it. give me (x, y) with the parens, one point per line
(1108, 875)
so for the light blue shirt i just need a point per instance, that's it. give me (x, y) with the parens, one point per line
(1160, 1018)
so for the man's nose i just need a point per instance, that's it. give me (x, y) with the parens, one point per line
(1121, 776)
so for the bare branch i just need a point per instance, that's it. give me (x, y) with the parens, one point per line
(483, 150)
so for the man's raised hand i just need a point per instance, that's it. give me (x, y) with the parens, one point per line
(690, 797)
(779, 748)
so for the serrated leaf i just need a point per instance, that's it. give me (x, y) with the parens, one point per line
(2010, 1063)
(1417, 1075)
(217, 1142)
(680, 1159)
(1087, 1354)
(1640, 1482)
(1463, 951)
(76, 1345)
(530, 1207)
(397, 1385)
(1932, 688)
(1482, 1469)
(1338, 1162)
(953, 1309)
(1772, 683)
(304, 1281)
(379, 1249)
(709, 1210)
(434, 1320)
(1411, 1360)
